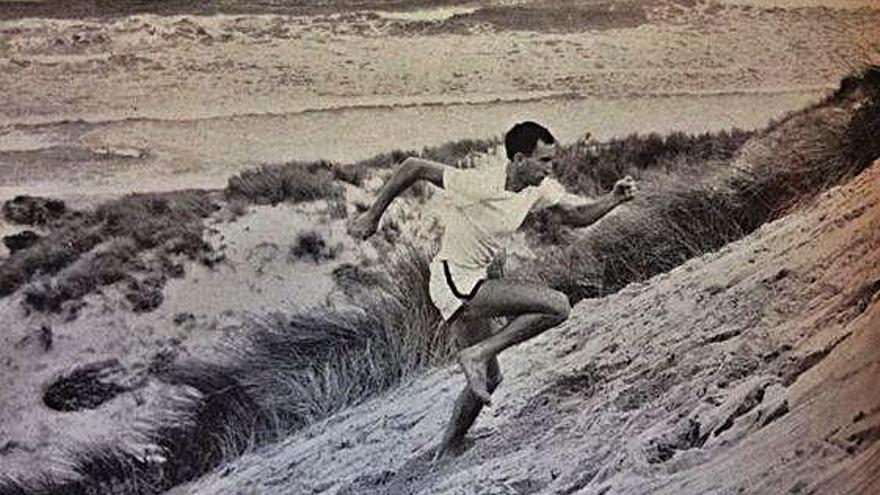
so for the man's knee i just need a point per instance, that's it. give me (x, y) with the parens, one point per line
(560, 308)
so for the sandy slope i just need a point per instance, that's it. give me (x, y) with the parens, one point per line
(257, 277)
(751, 370)
(186, 100)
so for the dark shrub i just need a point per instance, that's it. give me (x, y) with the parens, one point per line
(94, 270)
(145, 295)
(163, 223)
(311, 244)
(32, 210)
(354, 174)
(22, 240)
(86, 387)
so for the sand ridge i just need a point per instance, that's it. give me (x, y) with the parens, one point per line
(752, 369)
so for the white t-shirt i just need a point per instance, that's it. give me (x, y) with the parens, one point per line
(479, 217)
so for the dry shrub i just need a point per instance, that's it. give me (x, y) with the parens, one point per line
(591, 168)
(352, 279)
(354, 174)
(21, 240)
(705, 191)
(50, 254)
(96, 269)
(113, 238)
(32, 210)
(86, 386)
(311, 244)
(295, 182)
(448, 153)
(283, 373)
(172, 221)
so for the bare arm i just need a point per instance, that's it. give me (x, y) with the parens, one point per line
(590, 213)
(405, 175)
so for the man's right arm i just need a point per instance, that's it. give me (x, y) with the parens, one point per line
(590, 213)
(405, 175)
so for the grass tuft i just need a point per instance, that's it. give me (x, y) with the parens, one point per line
(97, 248)
(702, 192)
(281, 374)
(311, 244)
(295, 182)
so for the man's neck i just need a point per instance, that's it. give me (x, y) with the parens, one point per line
(510, 180)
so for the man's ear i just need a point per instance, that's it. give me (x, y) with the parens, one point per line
(519, 157)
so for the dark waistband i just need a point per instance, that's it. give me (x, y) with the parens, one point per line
(454, 289)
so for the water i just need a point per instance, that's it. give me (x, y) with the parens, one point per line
(354, 134)
(204, 153)
(435, 14)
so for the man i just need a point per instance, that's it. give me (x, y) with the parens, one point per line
(483, 206)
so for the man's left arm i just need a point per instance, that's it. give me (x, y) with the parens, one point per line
(589, 213)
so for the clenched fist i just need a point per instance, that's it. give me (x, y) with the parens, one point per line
(624, 189)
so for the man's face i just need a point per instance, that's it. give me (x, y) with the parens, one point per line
(531, 170)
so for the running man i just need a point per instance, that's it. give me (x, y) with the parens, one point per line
(483, 206)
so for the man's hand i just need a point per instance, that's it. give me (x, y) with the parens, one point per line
(363, 226)
(496, 268)
(624, 189)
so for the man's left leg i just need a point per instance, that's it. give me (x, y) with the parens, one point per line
(469, 331)
(534, 309)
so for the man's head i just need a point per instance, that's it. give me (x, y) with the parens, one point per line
(531, 150)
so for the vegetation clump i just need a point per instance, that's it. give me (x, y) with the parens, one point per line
(701, 192)
(311, 244)
(92, 249)
(32, 210)
(295, 182)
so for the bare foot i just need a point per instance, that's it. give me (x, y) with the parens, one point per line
(475, 372)
(451, 447)
(441, 451)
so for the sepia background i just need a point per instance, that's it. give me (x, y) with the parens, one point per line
(182, 310)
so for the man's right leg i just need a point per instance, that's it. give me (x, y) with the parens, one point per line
(468, 406)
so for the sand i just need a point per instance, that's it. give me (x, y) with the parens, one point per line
(749, 370)
(99, 105)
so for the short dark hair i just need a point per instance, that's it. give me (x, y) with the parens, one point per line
(523, 138)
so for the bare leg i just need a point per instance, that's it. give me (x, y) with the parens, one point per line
(537, 309)
(468, 405)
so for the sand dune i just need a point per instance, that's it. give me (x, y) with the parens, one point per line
(664, 387)
(749, 370)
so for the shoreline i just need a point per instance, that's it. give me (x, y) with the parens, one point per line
(395, 103)
(79, 159)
